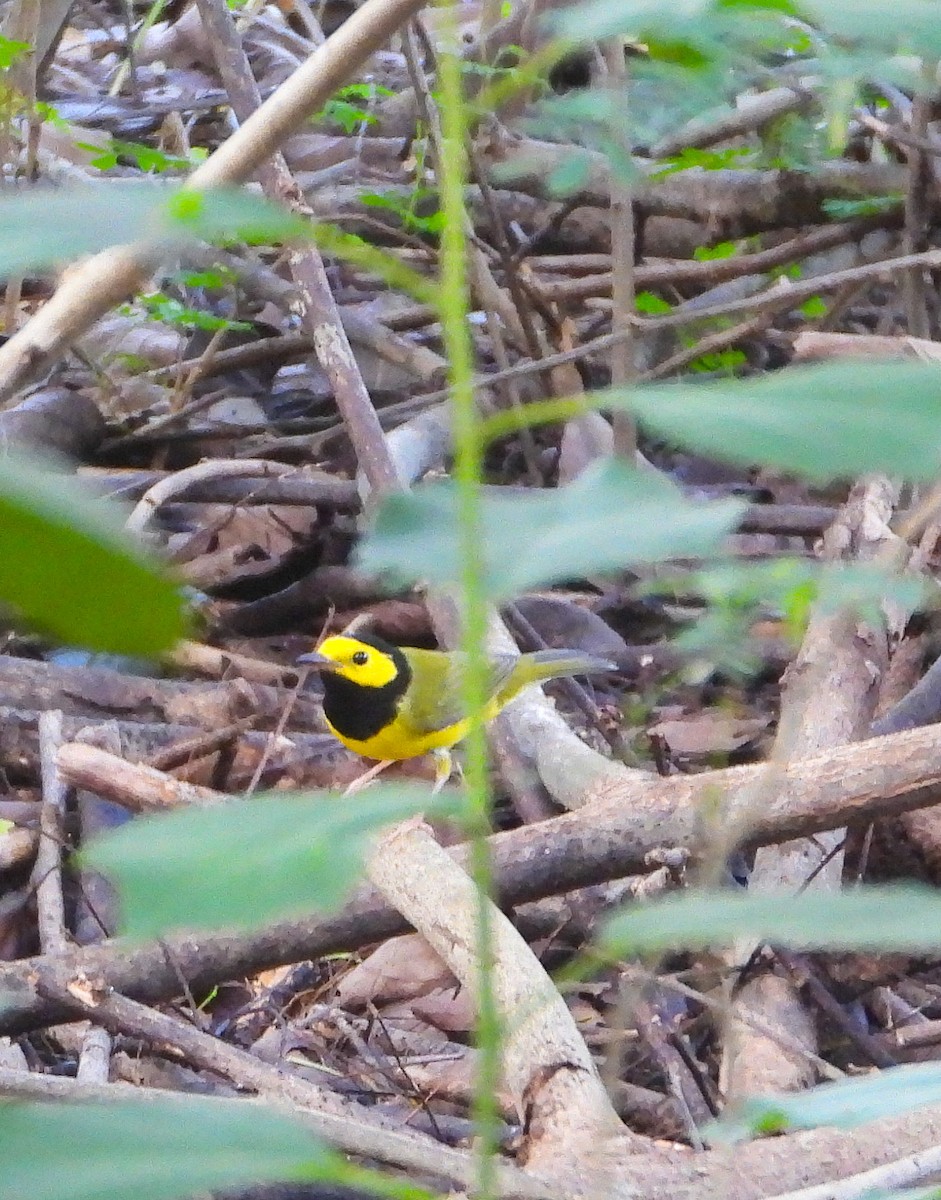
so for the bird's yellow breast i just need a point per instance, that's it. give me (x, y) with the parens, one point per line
(399, 739)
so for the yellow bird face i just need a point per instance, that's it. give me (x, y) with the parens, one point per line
(358, 661)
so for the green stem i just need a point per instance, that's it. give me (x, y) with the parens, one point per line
(468, 464)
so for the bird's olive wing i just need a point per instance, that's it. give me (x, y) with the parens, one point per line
(435, 697)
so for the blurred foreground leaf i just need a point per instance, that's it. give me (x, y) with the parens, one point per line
(832, 421)
(896, 917)
(611, 517)
(68, 568)
(157, 1149)
(248, 862)
(42, 228)
(843, 1104)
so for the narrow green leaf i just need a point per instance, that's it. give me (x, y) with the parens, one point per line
(68, 568)
(844, 1104)
(899, 917)
(247, 862)
(861, 587)
(40, 228)
(159, 1149)
(825, 422)
(611, 517)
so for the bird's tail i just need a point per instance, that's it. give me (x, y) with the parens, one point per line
(551, 664)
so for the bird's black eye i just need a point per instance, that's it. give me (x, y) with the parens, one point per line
(361, 658)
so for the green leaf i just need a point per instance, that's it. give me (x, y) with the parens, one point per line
(611, 517)
(174, 312)
(914, 25)
(160, 1149)
(869, 206)
(651, 304)
(897, 917)
(825, 422)
(792, 585)
(569, 175)
(41, 228)
(813, 307)
(844, 1104)
(247, 862)
(607, 18)
(718, 250)
(68, 568)
(707, 160)
(11, 51)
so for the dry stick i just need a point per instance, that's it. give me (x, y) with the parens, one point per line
(136, 787)
(485, 285)
(490, 296)
(749, 113)
(178, 481)
(535, 337)
(689, 1099)
(109, 278)
(788, 294)
(681, 272)
(825, 1070)
(356, 407)
(317, 308)
(547, 1066)
(712, 343)
(621, 219)
(631, 814)
(95, 1057)
(828, 698)
(897, 134)
(905, 1172)
(916, 216)
(572, 689)
(804, 974)
(47, 872)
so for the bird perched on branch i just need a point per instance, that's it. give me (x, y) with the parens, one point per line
(397, 702)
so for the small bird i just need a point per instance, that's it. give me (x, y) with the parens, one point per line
(393, 702)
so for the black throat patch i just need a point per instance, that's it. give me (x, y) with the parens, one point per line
(360, 712)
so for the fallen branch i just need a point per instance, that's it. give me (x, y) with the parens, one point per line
(546, 1064)
(630, 815)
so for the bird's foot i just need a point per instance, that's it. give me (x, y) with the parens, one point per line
(444, 768)
(367, 777)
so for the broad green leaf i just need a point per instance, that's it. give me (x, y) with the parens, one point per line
(611, 517)
(683, 23)
(39, 229)
(569, 175)
(247, 862)
(914, 26)
(159, 1149)
(825, 422)
(897, 917)
(844, 1104)
(68, 568)
(606, 18)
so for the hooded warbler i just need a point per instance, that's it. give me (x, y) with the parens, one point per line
(397, 702)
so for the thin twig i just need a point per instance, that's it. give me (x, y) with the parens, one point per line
(47, 871)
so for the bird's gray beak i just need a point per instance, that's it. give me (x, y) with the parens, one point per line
(318, 662)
